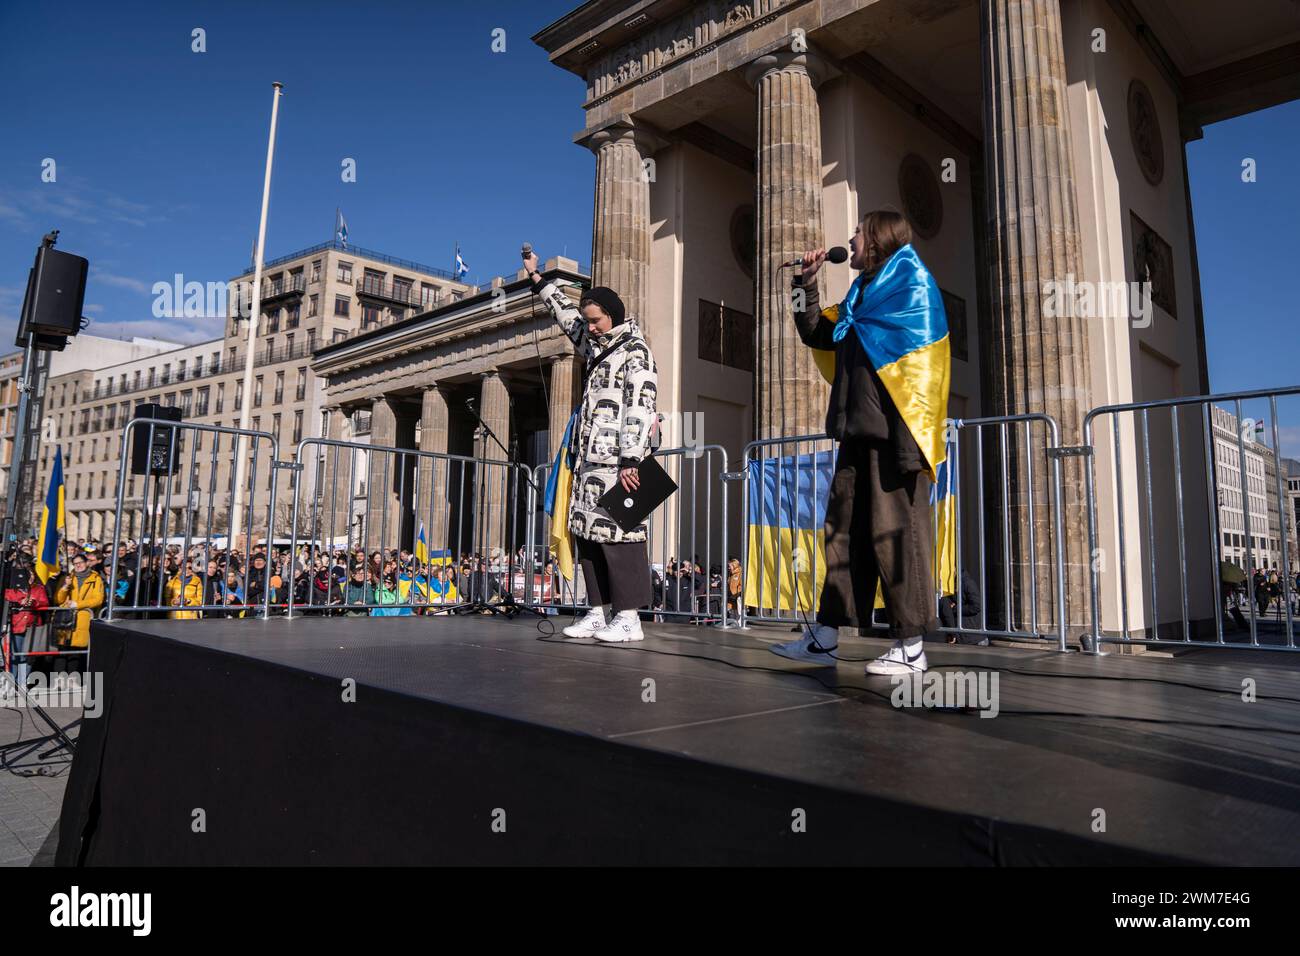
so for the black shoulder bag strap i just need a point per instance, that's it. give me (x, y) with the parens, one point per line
(594, 363)
(586, 377)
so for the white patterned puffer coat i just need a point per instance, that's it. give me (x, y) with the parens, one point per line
(614, 428)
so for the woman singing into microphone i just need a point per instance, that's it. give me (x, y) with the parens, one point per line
(889, 396)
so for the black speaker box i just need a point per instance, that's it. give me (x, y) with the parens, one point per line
(164, 456)
(56, 292)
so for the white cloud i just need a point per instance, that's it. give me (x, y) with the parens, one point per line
(124, 282)
(69, 200)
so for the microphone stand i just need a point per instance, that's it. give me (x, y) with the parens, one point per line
(508, 606)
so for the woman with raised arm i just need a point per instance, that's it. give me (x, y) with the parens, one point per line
(612, 434)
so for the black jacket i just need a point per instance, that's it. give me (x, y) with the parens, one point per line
(860, 406)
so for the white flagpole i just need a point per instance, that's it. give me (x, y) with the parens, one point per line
(245, 413)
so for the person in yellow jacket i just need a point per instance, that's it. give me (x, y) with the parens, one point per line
(190, 595)
(83, 589)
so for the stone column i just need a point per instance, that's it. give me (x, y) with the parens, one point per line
(493, 488)
(325, 515)
(620, 245)
(565, 379)
(383, 514)
(1039, 364)
(791, 394)
(432, 507)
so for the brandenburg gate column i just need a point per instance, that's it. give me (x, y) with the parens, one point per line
(791, 394)
(565, 379)
(620, 245)
(1039, 364)
(493, 487)
(432, 508)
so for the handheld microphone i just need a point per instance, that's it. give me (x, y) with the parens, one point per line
(836, 254)
(526, 251)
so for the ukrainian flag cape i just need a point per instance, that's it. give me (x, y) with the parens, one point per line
(558, 486)
(898, 316)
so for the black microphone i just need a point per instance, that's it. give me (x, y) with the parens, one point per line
(526, 251)
(836, 254)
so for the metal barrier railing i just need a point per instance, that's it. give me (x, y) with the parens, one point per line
(686, 528)
(437, 511)
(1230, 486)
(482, 516)
(163, 583)
(798, 477)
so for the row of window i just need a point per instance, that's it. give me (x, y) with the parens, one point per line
(101, 481)
(1257, 544)
(194, 403)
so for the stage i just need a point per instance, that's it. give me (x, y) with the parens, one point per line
(473, 740)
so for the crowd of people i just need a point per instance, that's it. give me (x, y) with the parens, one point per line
(1270, 592)
(150, 582)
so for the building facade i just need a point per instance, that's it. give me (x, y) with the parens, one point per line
(1249, 512)
(84, 351)
(1034, 145)
(310, 298)
(488, 378)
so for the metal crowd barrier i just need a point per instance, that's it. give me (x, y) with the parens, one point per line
(691, 526)
(1031, 610)
(351, 496)
(151, 584)
(1173, 531)
(486, 513)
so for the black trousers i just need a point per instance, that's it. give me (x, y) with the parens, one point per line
(879, 526)
(617, 574)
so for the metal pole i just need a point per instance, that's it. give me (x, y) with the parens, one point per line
(245, 413)
(8, 532)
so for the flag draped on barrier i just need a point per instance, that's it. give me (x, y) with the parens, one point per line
(786, 562)
(52, 523)
(558, 486)
(943, 499)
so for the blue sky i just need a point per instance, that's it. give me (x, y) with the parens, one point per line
(160, 154)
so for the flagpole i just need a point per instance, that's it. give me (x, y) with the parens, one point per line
(245, 413)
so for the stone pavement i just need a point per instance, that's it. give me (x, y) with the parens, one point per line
(31, 789)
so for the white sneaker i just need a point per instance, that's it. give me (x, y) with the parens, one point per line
(589, 625)
(898, 661)
(815, 647)
(626, 626)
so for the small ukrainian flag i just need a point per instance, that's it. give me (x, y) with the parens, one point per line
(52, 523)
(421, 546)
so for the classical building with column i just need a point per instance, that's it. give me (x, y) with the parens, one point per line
(486, 378)
(1029, 142)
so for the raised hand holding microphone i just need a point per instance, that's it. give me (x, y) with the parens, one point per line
(812, 261)
(529, 257)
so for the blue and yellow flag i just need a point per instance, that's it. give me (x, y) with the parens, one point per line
(421, 546)
(52, 523)
(899, 317)
(787, 534)
(786, 560)
(943, 499)
(558, 486)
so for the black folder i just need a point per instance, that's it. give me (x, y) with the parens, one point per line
(630, 508)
